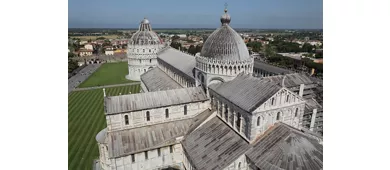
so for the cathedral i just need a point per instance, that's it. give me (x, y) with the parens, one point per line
(208, 111)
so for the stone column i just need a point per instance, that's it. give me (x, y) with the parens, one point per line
(313, 119)
(234, 120)
(241, 123)
(223, 111)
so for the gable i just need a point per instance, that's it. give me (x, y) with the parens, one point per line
(284, 97)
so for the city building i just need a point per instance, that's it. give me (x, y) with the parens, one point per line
(108, 50)
(88, 46)
(142, 50)
(85, 52)
(209, 112)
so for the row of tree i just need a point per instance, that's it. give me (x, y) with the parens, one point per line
(72, 64)
(192, 49)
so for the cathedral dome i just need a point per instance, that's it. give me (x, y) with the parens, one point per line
(225, 43)
(145, 35)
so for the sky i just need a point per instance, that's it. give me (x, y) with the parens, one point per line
(260, 14)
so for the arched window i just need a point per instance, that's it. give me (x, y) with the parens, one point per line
(273, 101)
(150, 50)
(258, 121)
(140, 61)
(185, 109)
(287, 98)
(278, 116)
(147, 116)
(296, 112)
(239, 165)
(126, 119)
(150, 61)
(166, 113)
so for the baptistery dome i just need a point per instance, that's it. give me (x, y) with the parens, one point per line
(145, 35)
(225, 43)
(142, 50)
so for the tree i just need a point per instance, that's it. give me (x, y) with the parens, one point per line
(192, 50)
(256, 46)
(176, 45)
(198, 49)
(175, 37)
(307, 48)
(72, 64)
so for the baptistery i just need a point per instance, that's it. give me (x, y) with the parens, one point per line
(142, 50)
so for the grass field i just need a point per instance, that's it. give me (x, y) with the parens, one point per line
(94, 37)
(85, 119)
(108, 74)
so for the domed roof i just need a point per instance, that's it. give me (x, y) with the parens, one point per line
(225, 43)
(145, 35)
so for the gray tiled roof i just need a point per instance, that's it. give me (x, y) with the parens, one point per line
(312, 104)
(270, 68)
(183, 62)
(284, 147)
(156, 80)
(246, 91)
(214, 145)
(141, 101)
(140, 139)
(291, 80)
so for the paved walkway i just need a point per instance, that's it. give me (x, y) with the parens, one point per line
(81, 76)
(107, 86)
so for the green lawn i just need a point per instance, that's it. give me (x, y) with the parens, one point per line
(108, 74)
(85, 119)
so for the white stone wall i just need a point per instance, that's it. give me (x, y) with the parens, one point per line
(103, 156)
(184, 82)
(141, 58)
(214, 71)
(239, 164)
(157, 115)
(153, 162)
(290, 112)
(235, 117)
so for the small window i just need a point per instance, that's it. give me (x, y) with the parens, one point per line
(159, 152)
(146, 155)
(296, 112)
(185, 109)
(143, 50)
(258, 121)
(150, 50)
(150, 61)
(140, 61)
(132, 158)
(137, 50)
(171, 149)
(287, 98)
(273, 101)
(126, 119)
(239, 165)
(278, 116)
(166, 113)
(147, 116)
